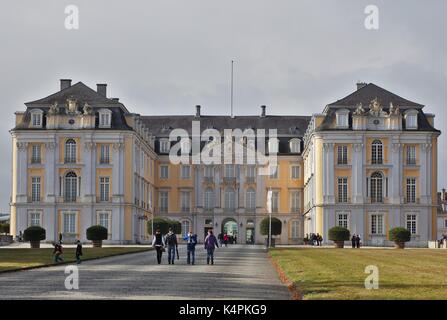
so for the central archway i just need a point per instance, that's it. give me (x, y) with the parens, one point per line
(230, 227)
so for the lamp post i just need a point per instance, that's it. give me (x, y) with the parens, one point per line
(269, 208)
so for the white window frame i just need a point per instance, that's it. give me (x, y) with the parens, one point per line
(411, 222)
(295, 145)
(295, 201)
(342, 118)
(274, 172)
(273, 145)
(36, 118)
(411, 119)
(229, 199)
(411, 155)
(250, 199)
(36, 188)
(230, 171)
(100, 219)
(164, 201)
(209, 198)
(251, 171)
(208, 171)
(185, 201)
(70, 153)
(186, 225)
(295, 229)
(275, 201)
(104, 156)
(164, 146)
(342, 219)
(295, 171)
(105, 118)
(343, 189)
(374, 219)
(72, 224)
(377, 152)
(185, 171)
(164, 172)
(104, 189)
(36, 153)
(31, 219)
(342, 155)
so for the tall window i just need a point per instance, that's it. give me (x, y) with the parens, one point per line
(185, 227)
(273, 145)
(273, 170)
(376, 187)
(35, 189)
(295, 172)
(377, 152)
(295, 229)
(104, 188)
(209, 198)
(35, 219)
(185, 172)
(411, 155)
(69, 222)
(36, 154)
(342, 118)
(164, 146)
(411, 190)
(70, 151)
(229, 171)
(275, 201)
(343, 190)
(411, 223)
(377, 224)
(164, 172)
(250, 200)
(295, 201)
(251, 171)
(71, 187)
(295, 145)
(209, 171)
(342, 155)
(229, 199)
(342, 219)
(104, 220)
(105, 154)
(185, 201)
(411, 120)
(36, 118)
(104, 118)
(164, 201)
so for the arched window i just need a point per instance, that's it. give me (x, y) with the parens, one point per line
(377, 152)
(250, 199)
(273, 145)
(229, 199)
(376, 187)
(294, 145)
(209, 198)
(70, 151)
(71, 187)
(185, 227)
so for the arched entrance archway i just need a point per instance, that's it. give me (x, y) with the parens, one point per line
(230, 227)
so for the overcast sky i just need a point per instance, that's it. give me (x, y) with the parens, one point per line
(164, 57)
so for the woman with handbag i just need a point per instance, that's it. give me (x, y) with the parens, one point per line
(159, 244)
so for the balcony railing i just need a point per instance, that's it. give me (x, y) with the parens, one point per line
(36, 160)
(411, 200)
(69, 160)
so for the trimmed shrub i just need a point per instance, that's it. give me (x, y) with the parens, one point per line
(338, 234)
(97, 233)
(400, 235)
(34, 234)
(276, 226)
(4, 228)
(164, 224)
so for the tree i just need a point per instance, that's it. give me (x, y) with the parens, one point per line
(276, 226)
(339, 235)
(97, 234)
(400, 235)
(34, 235)
(164, 224)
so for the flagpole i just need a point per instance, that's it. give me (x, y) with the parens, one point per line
(231, 99)
(270, 219)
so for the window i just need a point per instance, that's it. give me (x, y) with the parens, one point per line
(105, 117)
(275, 201)
(229, 199)
(104, 154)
(342, 190)
(209, 199)
(209, 171)
(250, 200)
(411, 155)
(273, 170)
(71, 186)
(411, 223)
(342, 219)
(411, 190)
(251, 171)
(104, 218)
(36, 155)
(342, 118)
(377, 152)
(36, 118)
(411, 119)
(104, 188)
(377, 224)
(164, 172)
(69, 222)
(342, 155)
(295, 145)
(35, 189)
(185, 145)
(186, 225)
(376, 187)
(295, 229)
(164, 146)
(185, 172)
(229, 171)
(295, 172)
(164, 201)
(35, 219)
(273, 145)
(70, 151)
(185, 201)
(295, 201)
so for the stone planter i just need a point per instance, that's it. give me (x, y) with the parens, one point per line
(339, 244)
(399, 245)
(97, 243)
(35, 244)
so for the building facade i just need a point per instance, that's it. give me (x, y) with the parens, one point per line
(81, 158)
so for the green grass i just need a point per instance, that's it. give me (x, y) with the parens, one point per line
(12, 259)
(339, 273)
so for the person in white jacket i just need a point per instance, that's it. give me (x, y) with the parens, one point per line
(158, 242)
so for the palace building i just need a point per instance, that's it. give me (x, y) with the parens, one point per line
(368, 162)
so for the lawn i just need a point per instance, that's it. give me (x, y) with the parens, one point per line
(339, 273)
(21, 258)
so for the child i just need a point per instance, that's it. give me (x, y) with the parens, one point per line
(78, 252)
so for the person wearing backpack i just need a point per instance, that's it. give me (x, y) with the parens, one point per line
(191, 241)
(210, 245)
(159, 244)
(171, 241)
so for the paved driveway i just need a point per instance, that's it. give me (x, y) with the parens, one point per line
(240, 272)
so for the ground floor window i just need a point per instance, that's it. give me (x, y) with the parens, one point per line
(295, 229)
(411, 223)
(69, 222)
(342, 219)
(377, 224)
(185, 227)
(35, 218)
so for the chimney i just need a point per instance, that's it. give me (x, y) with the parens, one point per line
(361, 85)
(197, 110)
(101, 88)
(65, 83)
(262, 111)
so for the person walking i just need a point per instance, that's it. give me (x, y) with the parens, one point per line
(78, 252)
(171, 242)
(225, 239)
(353, 240)
(191, 241)
(210, 245)
(159, 244)
(57, 252)
(357, 241)
(220, 238)
(317, 238)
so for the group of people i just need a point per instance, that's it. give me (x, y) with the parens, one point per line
(355, 241)
(225, 239)
(169, 242)
(442, 241)
(58, 251)
(315, 239)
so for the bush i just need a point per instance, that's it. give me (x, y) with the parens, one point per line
(276, 226)
(338, 234)
(4, 228)
(164, 224)
(34, 233)
(97, 233)
(400, 235)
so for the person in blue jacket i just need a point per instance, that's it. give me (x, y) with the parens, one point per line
(191, 241)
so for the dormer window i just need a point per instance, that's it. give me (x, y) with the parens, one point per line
(295, 145)
(342, 118)
(105, 118)
(36, 118)
(164, 146)
(411, 119)
(273, 145)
